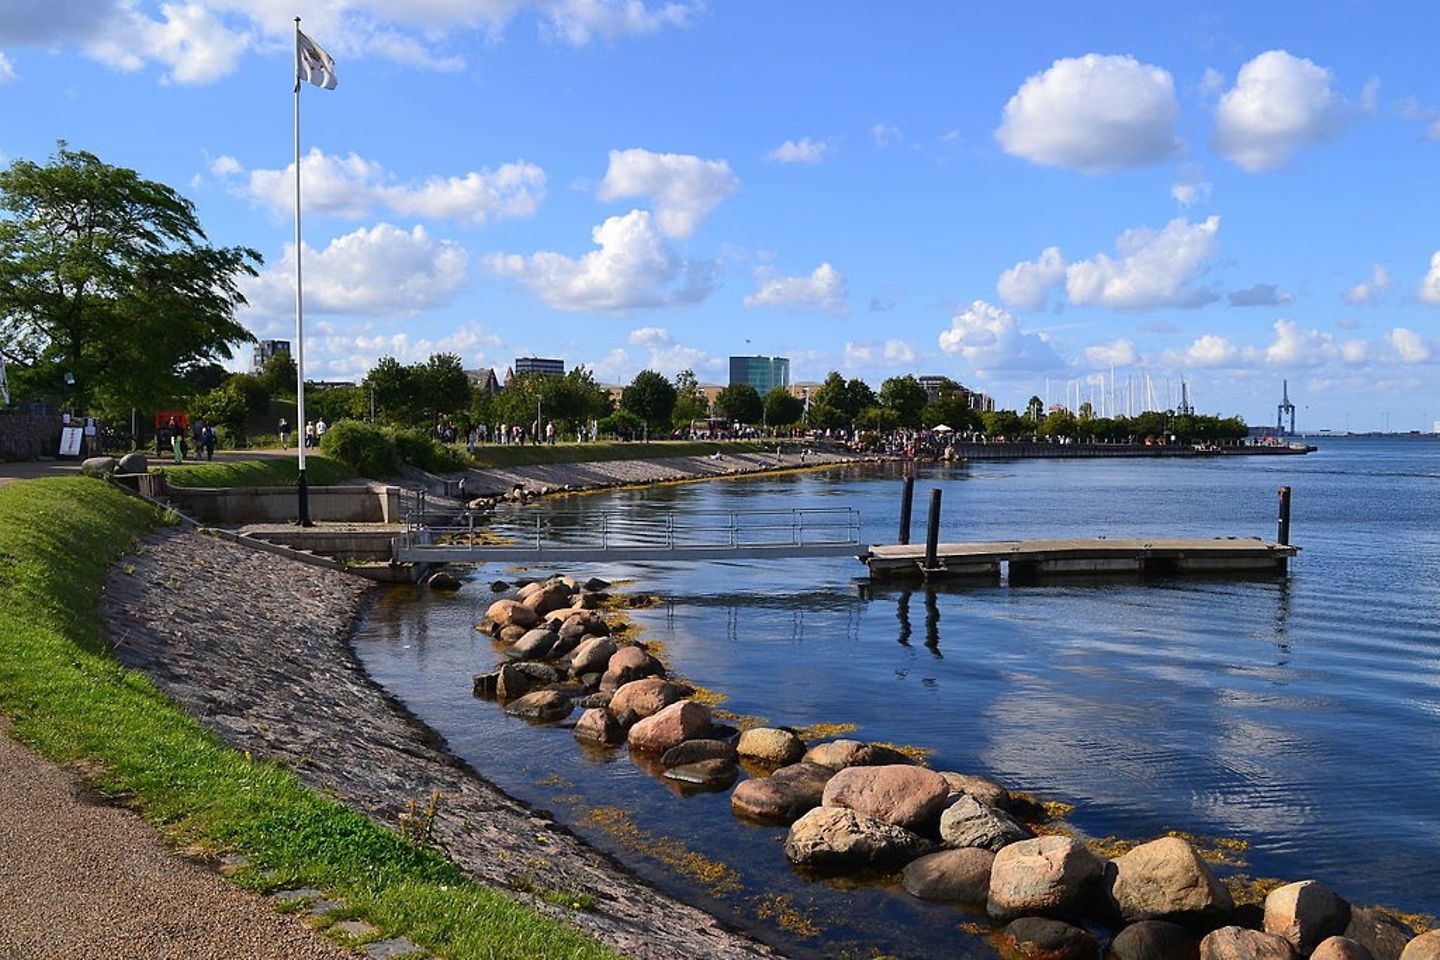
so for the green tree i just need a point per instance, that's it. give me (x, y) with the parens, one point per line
(690, 403)
(334, 404)
(1035, 410)
(109, 278)
(837, 402)
(1004, 423)
(1061, 423)
(444, 388)
(782, 408)
(225, 408)
(953, 411)
(651, 398)
(394, 389)
(278, 376)
(741, 403)
(877, 419)
(906, 398)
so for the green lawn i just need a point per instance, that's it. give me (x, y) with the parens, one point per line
(70, 700)
(275, 472)
(494, 455)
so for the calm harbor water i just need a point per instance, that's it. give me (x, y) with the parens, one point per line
(1301, 715)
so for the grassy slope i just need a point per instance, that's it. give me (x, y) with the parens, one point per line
(70, 700)
(492, 455)
(319, 471)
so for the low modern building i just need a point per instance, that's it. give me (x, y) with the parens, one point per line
(762, 373)
(265, 350)
(543, 365)
(938, 386)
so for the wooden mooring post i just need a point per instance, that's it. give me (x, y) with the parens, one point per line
(932, 533)
(906, 501)
(1282, 525)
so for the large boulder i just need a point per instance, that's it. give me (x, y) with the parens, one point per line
(1237, 943)
(1341, 948)
(587, 623)
(713, 774)
(444, 581)
(907, 796)
(1035, 938)
(770, 747)
(511, 613)
(592, 656)
(629, 663)
(644, 698)
(962, 875)
(597, 726)
(514, 680)
(685, 720)
(1424, 947)
(1165, 879)
(969, 823)
(550, 596)
(1375, 930)
(1155, 940)
(98, 466)
(534, 645)
(1305, 913)
(984, 789)
(783, 796)
(838, 754)
(547, 706)
(833, 839)
(134, 462)
(1049, 876)
(693, 751)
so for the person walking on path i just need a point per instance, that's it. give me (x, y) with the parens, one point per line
(177, 446)
(309, 433)
(284, 434)
(550, 433)
(209, 436)
(320, 427)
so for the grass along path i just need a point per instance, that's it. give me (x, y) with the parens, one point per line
(320, 471)
(69, 700)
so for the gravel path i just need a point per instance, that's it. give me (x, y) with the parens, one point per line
(80, 878)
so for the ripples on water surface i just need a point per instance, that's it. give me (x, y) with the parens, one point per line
(1302, 715)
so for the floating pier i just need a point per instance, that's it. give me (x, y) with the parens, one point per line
(1036, 559)
(1028, 560)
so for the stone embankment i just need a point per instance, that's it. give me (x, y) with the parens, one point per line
(865, 808)
(256, 647)
(542, 479)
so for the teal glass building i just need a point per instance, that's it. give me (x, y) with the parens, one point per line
(762, 373)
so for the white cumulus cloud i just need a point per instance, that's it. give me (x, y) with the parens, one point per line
(353, 187)
(1279, 104)
(683, 188)
(1210, 350)
(632, 268)
(825, 290)
(1430, 286)
(1027, 285)
(7, 69)
(650, 337)
(803, 150)
(1094, 114)
(992, 339)
(1294, 347)
(1116, 353)
(1410, 346)
(1369, 291)
(891, 353)
(382, 269)
(1153, 269)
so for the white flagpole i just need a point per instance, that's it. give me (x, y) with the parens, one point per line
(304, 506)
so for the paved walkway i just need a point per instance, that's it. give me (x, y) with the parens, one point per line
(82, 879)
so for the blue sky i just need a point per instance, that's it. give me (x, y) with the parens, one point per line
(1012, 195)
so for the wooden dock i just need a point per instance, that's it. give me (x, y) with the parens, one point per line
(1033, 559)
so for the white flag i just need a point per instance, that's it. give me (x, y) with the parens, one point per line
(312, 63)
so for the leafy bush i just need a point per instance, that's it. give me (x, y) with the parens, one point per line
(418, 449)
(362, 447)
(373, 451)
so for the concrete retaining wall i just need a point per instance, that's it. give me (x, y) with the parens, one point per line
(238, 505)
(27, 437)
